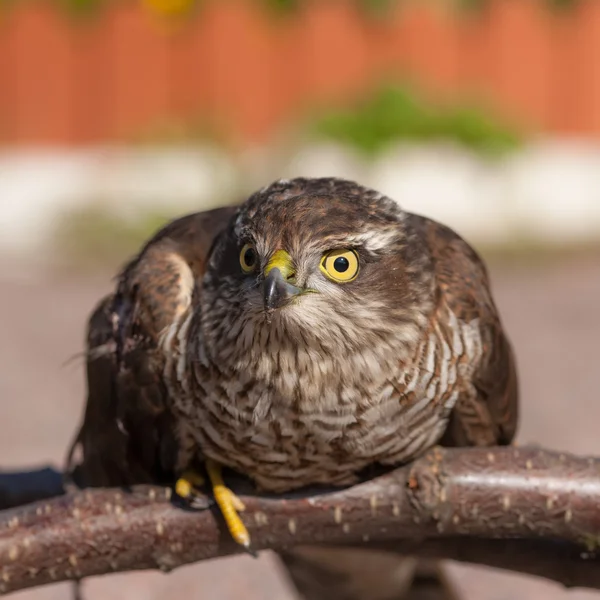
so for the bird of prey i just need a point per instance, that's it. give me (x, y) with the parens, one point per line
(299, 338)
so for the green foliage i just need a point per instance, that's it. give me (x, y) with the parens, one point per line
(479, 5)
(470, 5)
(392, 114)
(563, 4)
(81, 8)
(71, 8)
(381, 7)
(282, 6)
(377, 8)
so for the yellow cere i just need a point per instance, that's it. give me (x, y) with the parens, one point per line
(340, 265)
(283, 261)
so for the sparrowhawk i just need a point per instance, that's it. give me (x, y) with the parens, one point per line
(311, 332)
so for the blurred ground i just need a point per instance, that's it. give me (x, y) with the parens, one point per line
(550, 311)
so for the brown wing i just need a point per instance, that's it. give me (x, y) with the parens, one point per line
(127, 435)
(488, 416)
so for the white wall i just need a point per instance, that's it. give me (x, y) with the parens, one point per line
(547, 192)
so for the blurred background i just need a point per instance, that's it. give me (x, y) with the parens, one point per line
(117, 115)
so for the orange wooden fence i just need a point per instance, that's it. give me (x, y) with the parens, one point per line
(116, 75)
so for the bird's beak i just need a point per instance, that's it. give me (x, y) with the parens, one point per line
(278, 286)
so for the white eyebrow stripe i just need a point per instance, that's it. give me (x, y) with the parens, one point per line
(373, 240)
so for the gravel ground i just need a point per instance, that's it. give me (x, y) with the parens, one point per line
(550, 311)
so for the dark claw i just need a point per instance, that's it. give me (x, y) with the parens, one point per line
(199, 502)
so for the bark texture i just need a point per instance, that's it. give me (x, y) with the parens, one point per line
(525, 509)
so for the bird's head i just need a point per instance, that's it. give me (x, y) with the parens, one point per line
(323, 264)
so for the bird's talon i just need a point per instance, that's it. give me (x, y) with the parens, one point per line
(200, 502)
(187, 488)
(235, 501)
(229, 504)
(195, 478)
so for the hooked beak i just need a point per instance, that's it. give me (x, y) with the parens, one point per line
(278, 288)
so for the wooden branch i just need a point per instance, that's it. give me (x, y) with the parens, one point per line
(526, 509)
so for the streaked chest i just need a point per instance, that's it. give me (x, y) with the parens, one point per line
(307, 426)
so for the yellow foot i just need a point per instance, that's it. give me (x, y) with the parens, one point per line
(188, 488)
(229, 504)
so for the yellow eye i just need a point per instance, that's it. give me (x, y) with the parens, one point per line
(340, 265)
(248, 258)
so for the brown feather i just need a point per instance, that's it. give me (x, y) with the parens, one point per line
(463, 283)
(128, 431)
